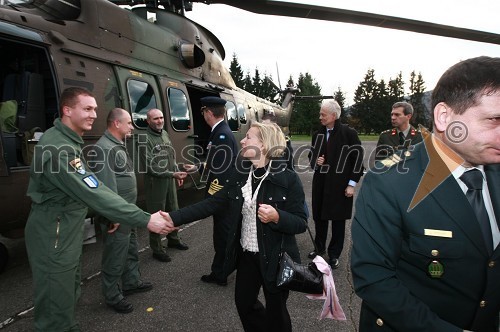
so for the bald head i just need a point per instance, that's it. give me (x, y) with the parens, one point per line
(119, 123)
(155, 119)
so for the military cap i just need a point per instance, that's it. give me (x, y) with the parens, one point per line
(212, 101)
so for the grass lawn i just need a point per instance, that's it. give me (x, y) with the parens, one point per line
(307, 138)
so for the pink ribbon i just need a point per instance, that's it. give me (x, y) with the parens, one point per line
(331, 307)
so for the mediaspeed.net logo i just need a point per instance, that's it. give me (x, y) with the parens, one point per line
(435, 173)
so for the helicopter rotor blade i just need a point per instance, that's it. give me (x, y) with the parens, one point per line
(298, 10)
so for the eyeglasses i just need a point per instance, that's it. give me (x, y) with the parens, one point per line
(202, 109)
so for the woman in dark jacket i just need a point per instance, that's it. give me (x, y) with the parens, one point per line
(266, 202)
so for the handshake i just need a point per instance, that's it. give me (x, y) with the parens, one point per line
(161, 223)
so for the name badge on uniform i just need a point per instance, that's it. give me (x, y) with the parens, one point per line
(91, 181)
(438, 233)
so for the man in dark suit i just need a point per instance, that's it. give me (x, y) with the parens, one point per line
(337, 160)
(425, 253)
(401, 136)
(222, 150)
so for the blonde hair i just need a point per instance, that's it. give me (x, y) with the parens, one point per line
(272, 138)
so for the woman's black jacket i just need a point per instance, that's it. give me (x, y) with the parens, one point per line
(283, 190)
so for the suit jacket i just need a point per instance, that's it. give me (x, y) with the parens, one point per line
(388, 142)
(222, 152)
(392, 254)
(344, 162)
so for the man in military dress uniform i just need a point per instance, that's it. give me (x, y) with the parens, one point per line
(401, 136)
(120, 258)
(222, 151)
(61, 188)
(426, 254)
(159, 180)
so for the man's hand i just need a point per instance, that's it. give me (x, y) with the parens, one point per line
(267, 213)
(112, 227)
(190, 168)
(321, 160)
(349, 191)
(161, 223)
(180, 175)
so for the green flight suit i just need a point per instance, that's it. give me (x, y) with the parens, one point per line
(61, 188)
(120, 258)
(159, 182)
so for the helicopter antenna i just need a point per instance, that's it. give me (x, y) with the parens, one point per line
(278, 72)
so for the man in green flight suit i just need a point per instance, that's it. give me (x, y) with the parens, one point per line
(161, 194)
(61, 189)
(120, 258)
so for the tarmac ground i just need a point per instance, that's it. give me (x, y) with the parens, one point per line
(179, 301)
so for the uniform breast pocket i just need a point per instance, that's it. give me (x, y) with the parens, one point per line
(424, 249)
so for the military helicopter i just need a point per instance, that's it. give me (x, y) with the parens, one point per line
(146, 56)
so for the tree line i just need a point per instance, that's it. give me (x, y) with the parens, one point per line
(373, 99)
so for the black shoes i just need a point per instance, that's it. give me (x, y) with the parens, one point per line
(210, 278)
(178, 245)
(334, 263)
(313, 254)
(145, 286)
(122, 307)
(161, 256)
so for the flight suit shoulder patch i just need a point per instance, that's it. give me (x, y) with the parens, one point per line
(91, 181)
(77, 165)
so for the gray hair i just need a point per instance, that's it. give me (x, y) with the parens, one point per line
(407, 108)
(331, 106)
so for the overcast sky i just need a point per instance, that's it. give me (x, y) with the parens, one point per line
(339, 54)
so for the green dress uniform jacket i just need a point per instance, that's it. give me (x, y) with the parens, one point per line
(61, 188)
(120, 258)
(388, 142)
(158, 157)
(395, 250)
(283, 190)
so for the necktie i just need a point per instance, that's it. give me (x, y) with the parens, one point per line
(330, 132)
(401, 138)
(474, 181)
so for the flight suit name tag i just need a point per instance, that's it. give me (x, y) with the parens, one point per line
(438, 233)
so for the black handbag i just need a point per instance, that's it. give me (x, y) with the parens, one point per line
(304, 278)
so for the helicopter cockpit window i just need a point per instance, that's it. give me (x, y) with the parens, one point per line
(142, 99)
(241, 114)
(179, 111)
(232, 116)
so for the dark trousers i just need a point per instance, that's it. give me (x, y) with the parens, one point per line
(274, 317)
(337, 241)
(221, 230)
